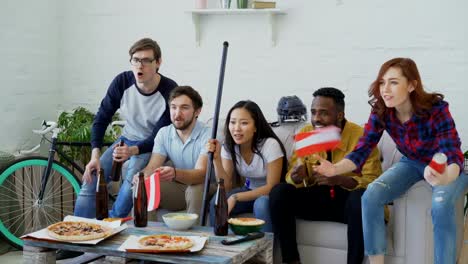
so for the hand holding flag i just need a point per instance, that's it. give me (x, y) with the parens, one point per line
(323, 139)
(325, 167)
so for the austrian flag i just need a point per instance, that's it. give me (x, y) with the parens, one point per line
(153, 191)
(322, 139)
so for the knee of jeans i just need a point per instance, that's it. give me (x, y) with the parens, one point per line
(88, 188)
(261, 204)
(135, 164)
(373, 191)
(441, 202)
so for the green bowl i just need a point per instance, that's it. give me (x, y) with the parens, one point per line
(245, 229)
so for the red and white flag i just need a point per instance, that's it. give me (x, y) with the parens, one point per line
(322, 139)
(153, 190)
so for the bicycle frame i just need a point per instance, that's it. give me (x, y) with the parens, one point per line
(51, 158)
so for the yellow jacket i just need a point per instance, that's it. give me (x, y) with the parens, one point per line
(349, 138)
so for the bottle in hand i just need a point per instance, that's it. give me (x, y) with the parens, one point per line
(439, 162)
(140, 203)
(117, 166)
(102, 210)
(221, 210)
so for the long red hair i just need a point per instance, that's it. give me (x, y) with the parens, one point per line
(420, 99)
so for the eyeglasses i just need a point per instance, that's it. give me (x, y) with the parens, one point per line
(144, 61)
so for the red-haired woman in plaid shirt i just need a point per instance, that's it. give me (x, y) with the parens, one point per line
(421, 125)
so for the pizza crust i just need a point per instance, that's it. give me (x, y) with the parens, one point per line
(77, 231)
(165, 242)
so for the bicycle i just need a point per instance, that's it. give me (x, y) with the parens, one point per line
(37, 191)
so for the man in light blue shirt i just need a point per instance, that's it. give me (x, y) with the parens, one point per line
(183, 143)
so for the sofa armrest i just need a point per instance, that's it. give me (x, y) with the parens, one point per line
(412, 224)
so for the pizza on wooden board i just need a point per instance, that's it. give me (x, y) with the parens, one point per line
(77, 231)
(165, 242)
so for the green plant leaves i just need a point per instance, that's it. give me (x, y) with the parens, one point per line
(76, 127)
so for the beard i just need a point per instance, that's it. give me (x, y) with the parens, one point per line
(184, 125)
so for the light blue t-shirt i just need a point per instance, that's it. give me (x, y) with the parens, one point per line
(184, 156)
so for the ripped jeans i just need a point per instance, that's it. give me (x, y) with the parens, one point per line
(393, 183)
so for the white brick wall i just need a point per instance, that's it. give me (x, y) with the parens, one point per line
(29, 71)
(338, 43)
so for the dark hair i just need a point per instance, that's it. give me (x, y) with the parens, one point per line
(263, 132)
(335, 94)
(190, 93)
(146, 44)
(420, 99)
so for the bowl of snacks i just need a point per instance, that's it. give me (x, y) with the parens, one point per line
(180, 221)
(244, 225)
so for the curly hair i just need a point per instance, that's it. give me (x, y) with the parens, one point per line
(335, 94)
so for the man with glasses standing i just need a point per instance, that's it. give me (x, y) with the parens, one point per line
(141, 95)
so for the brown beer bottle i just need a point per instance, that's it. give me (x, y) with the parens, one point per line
(117, 166)
(140, 203)
(102, 210)
(221, 210)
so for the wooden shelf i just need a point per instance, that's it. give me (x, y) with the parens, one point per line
(270, 13)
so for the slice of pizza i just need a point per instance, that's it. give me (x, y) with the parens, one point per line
(77, 231)
(165, 242)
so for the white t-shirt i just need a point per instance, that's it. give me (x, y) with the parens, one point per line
(256, 172)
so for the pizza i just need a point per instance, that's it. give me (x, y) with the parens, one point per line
(77, 231)
(246, 221)
(165, 242)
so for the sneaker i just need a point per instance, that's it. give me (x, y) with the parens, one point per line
(66, 254)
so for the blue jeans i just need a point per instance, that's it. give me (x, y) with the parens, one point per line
(393, 183)
(260, 208)
(86, 202)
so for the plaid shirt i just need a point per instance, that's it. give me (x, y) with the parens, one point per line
(419, 138)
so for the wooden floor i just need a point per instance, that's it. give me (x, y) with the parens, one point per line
(464, 252)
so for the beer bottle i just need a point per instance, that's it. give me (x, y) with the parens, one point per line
(140, 203)
(102, 210)
(117, 166)
(221, 210)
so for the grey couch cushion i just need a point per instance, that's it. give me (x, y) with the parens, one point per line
(321, 234)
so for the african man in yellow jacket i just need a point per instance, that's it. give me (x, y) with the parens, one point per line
(314, 197)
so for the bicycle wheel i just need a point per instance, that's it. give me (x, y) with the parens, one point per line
(20, 210)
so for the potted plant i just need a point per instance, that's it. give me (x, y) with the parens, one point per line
(76, 127)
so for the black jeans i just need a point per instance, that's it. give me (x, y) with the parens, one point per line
(314, 203)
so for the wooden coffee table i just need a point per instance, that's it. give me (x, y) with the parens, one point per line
(258, 251)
